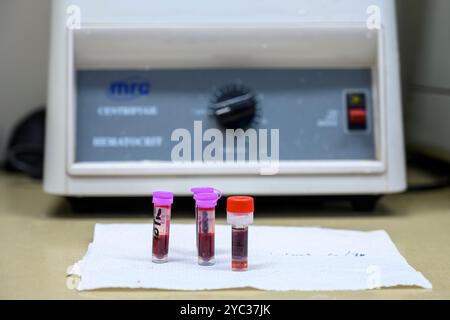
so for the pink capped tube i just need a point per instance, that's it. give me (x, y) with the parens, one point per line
(206, 220)
(162, 201)
(196, 191)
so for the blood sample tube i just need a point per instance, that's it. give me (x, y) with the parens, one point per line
(206, 220)
(198, 190)
(161, 225)
(195, 191)
(240, 215)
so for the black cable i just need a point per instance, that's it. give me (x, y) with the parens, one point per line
(25, 150)
(27, 159)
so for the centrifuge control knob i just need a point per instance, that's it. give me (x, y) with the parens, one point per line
(234, 106)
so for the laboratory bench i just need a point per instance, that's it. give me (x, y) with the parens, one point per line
(40, 238)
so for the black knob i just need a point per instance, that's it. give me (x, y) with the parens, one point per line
(234, 106)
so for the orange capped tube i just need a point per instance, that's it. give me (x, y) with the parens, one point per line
(240, 215)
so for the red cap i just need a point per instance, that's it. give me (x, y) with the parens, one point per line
(240, 205)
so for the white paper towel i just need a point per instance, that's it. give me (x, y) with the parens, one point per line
(280, 259)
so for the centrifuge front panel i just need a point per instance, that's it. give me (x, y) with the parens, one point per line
(131, 115)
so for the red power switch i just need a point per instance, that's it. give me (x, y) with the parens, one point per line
(357, 117)
(357, 111)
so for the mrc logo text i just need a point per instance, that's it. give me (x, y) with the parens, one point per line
(129, 89)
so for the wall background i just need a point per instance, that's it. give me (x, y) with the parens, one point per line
(424, 27)
(24, 38)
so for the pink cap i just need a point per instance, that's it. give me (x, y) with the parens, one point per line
(162, 198)
(206, 200)
(201, 190)
(196, 190)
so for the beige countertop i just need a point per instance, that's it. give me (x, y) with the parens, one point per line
(40, 238)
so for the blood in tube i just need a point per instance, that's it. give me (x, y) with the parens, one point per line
(206, 220)
(239, 250)
(161, 230)
(240, 216)
(161, 226)
(206, 235)
(195, 191)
